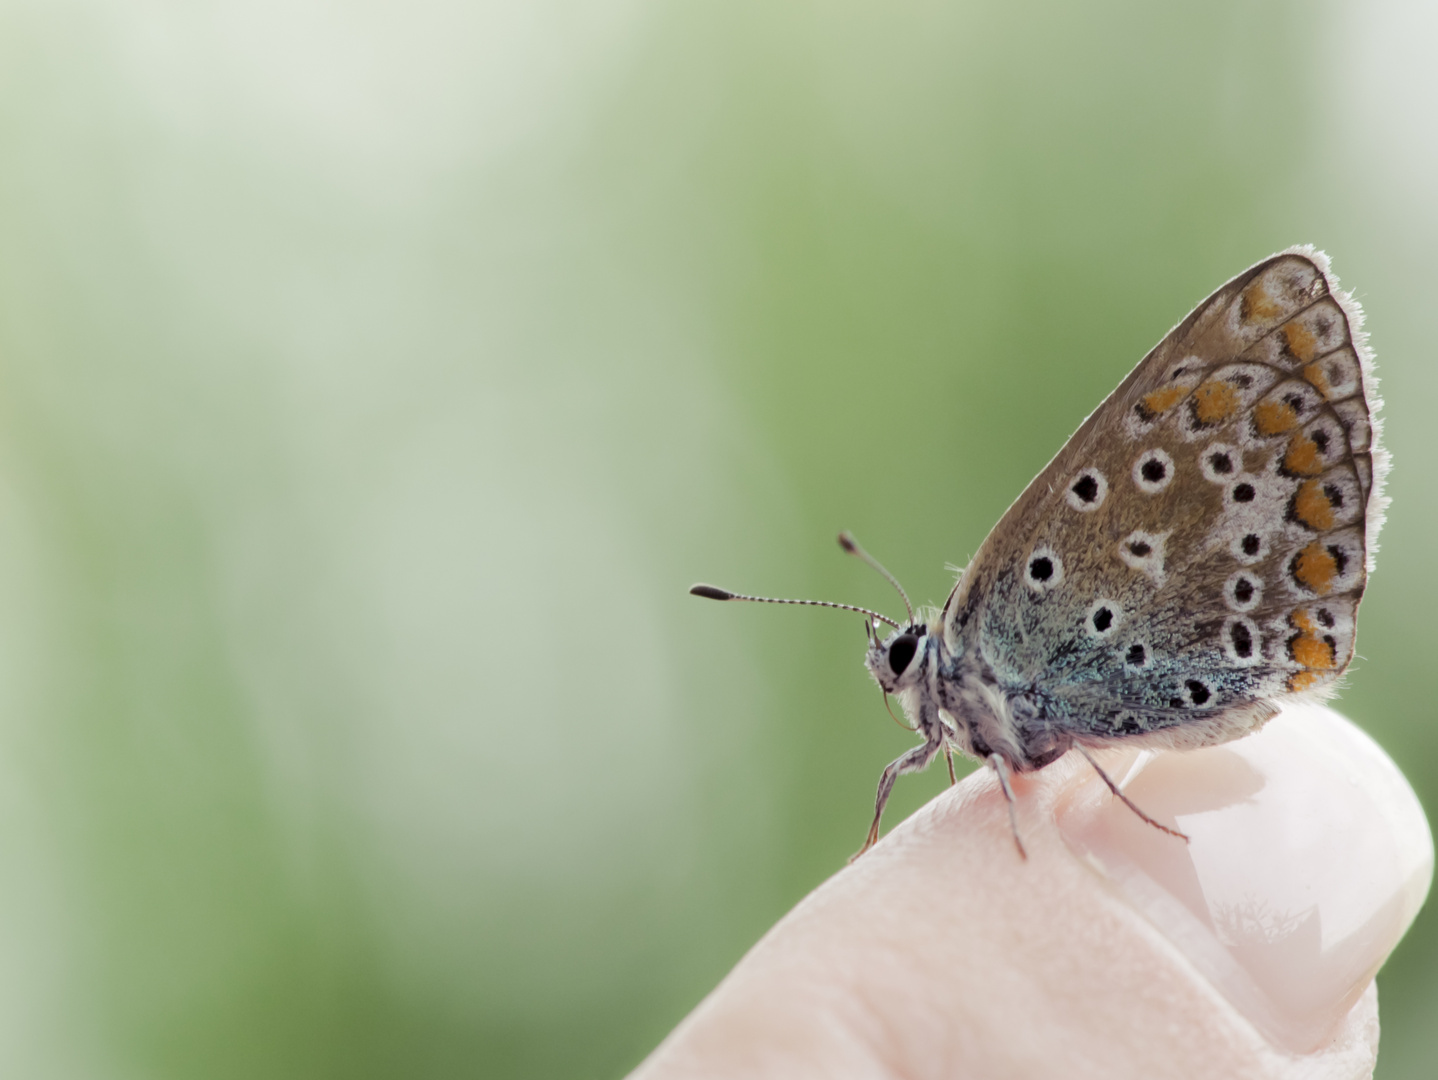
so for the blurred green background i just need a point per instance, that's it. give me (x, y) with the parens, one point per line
(376, 378)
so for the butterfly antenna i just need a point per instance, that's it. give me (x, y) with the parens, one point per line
(711, 593)
(849, 544)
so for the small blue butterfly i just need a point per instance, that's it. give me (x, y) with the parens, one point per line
(1194, 555)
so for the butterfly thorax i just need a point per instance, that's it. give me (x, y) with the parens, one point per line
(951, 692)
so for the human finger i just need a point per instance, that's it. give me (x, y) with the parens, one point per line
(1113, 949)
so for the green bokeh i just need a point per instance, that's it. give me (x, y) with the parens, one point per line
(374, 380)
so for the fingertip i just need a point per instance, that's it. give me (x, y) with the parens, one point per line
(943, 949)
(1310, 857)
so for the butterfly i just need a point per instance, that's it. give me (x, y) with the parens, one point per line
(1192, 557)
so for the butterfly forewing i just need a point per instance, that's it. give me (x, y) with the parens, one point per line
(1200, 546)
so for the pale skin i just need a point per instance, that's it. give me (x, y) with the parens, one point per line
(942, 953)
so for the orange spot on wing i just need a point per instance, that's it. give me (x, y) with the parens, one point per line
(1316, 653)
(1160, 401)
(1301, 340)
(1311, 506)
(1257, 304)
(1313, 653)
(1316, 376)
(1274, 417)
(1303, 458)
(1215, 400)
(1316, 568)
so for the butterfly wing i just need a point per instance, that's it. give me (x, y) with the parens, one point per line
(1198, 549)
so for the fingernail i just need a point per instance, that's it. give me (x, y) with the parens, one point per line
(1308, 857)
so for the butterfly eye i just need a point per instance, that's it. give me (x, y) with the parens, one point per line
(901, 652)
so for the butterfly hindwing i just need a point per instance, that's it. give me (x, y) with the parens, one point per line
(1200, 546)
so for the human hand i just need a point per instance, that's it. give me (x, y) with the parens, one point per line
(1114, 950)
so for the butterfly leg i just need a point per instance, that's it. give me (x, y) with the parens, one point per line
(1125, 799)
(996, 762)
(916, 760)
(949, 754)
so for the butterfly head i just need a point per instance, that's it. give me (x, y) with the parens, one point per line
(897, 662)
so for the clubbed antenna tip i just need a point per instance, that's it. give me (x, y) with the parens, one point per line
(850, 545)
(709, 592)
